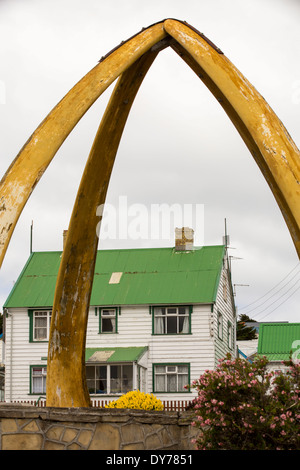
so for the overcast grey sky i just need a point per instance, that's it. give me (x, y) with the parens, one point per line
(178, 147)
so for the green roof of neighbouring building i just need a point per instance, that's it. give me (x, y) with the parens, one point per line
(277, 341)
(142, 276)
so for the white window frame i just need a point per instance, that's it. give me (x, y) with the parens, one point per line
(110, 314)
(38, 314)
(124, 387)
(161, 315)
(41, 377)
(165, 371)
(220, 325)
(230, 335)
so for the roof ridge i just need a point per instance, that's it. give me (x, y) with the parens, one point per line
(194, 248)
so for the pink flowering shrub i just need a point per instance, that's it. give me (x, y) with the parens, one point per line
(243, 406)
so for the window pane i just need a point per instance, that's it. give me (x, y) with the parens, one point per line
(110, 313)
(172, 310)
(96, 378)
(220, 326)
(108, 321)
(126, 383)
(121, 377)
(108, 325)
(159, 326)
(172, 325)
(171, 378)
(171, 383)
(37, 385)
(40, 314)
(182, 381)
(90, 378)
(183, 324)
(115, 372)
(101, 379)
(41, 321)
(230, 336)
(40, 333)
(115, 379)
(40, 325)
(182, 310)
(160, 383)
(39, 380)
(160, 311)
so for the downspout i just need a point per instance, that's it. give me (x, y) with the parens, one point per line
(11, 349)
(211, 321)
(134, 376)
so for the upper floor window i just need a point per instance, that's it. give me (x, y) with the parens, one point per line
(171, 320)
(230, 335)
(108, 319)
(220, 325)
(40, 321)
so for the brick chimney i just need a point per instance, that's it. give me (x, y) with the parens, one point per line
(184, 239)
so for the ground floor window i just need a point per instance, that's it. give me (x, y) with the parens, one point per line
(109, 378)
(2, 380)
(38, 380)
(170, 377)
(101, 378)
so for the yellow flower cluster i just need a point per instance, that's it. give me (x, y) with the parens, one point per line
(137, 400)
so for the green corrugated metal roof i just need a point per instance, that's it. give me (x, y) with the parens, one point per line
(131, 354)
(149, 276)
(277, 340)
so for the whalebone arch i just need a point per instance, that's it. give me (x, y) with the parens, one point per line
(273, 150)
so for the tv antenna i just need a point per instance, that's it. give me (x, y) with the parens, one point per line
(240, 285)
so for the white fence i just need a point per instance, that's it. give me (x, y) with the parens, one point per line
(169, 405)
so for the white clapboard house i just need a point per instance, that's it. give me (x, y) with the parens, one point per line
(158, 318)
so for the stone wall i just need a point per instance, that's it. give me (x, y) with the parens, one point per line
(24, 427)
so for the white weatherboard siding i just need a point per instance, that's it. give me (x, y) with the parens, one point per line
(135, 329)
(224, 306)
(201, 349)
(24, 354)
